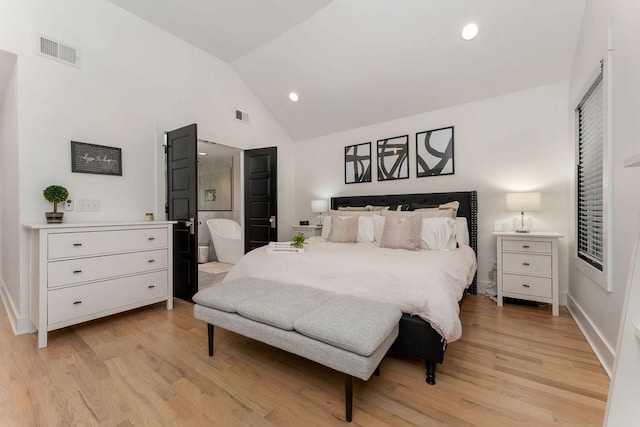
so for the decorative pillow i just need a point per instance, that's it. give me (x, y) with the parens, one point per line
(462, 231)
(353, 208)
(377, 208)
(449, 205)
(378, 228)
(438, 234)
(424, 212)
(401, 233)
(326, 226)
(365, 229)
(343, 230)
(326, 223)
(345, 214)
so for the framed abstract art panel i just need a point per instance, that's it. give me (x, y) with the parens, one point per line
(434, 152)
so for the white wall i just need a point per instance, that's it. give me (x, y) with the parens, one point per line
(595, 309)
(9, 193)
(516, 142)
(624, 394)
(135, 82)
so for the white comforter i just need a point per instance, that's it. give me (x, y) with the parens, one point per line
(425, 283)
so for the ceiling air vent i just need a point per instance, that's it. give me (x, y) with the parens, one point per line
(60, 52)
(242, 116)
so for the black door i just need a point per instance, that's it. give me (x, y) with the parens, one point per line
(261, 197)
(182, 207)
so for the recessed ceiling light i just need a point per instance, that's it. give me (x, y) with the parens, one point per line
(470, 31)
(294, 97)
(202, 154)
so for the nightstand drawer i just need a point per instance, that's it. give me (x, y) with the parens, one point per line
(539, 265)
(526, 246)
(527, 285)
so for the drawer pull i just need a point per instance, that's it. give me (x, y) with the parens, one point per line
(524, 285)
(77, 302)
(151, 261)
(525, 246)
(151, 238)
(151, 286)
(77, 271)
(77, 244)
(526, 264)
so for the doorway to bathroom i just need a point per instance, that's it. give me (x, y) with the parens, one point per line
(219, 202)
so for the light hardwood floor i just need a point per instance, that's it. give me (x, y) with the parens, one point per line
(514, 365)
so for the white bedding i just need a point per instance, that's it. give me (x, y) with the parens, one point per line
(425, 283)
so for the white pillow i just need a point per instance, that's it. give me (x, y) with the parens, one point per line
(378, 228)
(438, 234)
(365, 229)
(462, 231)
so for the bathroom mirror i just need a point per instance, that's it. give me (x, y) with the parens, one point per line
(215, 178)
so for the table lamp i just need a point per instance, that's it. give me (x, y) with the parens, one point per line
(523, 202)
(319, 207)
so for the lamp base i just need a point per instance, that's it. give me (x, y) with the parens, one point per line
(522, 224)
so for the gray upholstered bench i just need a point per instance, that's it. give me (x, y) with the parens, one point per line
(345, 333)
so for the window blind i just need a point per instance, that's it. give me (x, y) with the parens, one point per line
(590, 233)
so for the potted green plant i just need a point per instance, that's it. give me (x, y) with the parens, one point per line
(55, 194)
(298, 240)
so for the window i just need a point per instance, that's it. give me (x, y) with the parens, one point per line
(592, 133)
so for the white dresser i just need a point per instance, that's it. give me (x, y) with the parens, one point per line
(528, 267)
(81, 272)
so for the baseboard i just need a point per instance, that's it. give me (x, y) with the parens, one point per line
(20, 325)
(603, 351)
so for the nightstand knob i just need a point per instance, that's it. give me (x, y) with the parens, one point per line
(524, 285)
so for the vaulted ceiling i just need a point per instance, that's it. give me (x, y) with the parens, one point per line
(359, 62)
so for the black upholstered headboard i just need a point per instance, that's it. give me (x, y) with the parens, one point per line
(468, 208)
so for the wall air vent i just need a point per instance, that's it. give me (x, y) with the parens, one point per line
(60, 52)
(242, 116)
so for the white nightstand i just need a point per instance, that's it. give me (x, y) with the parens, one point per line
(528, 267)
(307, 230)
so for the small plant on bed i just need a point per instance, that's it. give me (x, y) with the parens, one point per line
(298, 240)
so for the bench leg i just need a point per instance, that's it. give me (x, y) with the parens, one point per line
(210, 334)
(348, 396)
(431, 372)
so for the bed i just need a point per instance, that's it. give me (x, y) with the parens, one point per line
(431, 309)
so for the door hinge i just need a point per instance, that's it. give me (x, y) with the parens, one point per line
(166, 208)
(165, 147)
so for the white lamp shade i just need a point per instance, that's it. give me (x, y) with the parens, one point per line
(521, 202)
(319, 206)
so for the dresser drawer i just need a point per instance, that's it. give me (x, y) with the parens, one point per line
(91, 299)
(80, 270)
(526, 263)
(66, 245)
(526, 246)
(527, 285)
